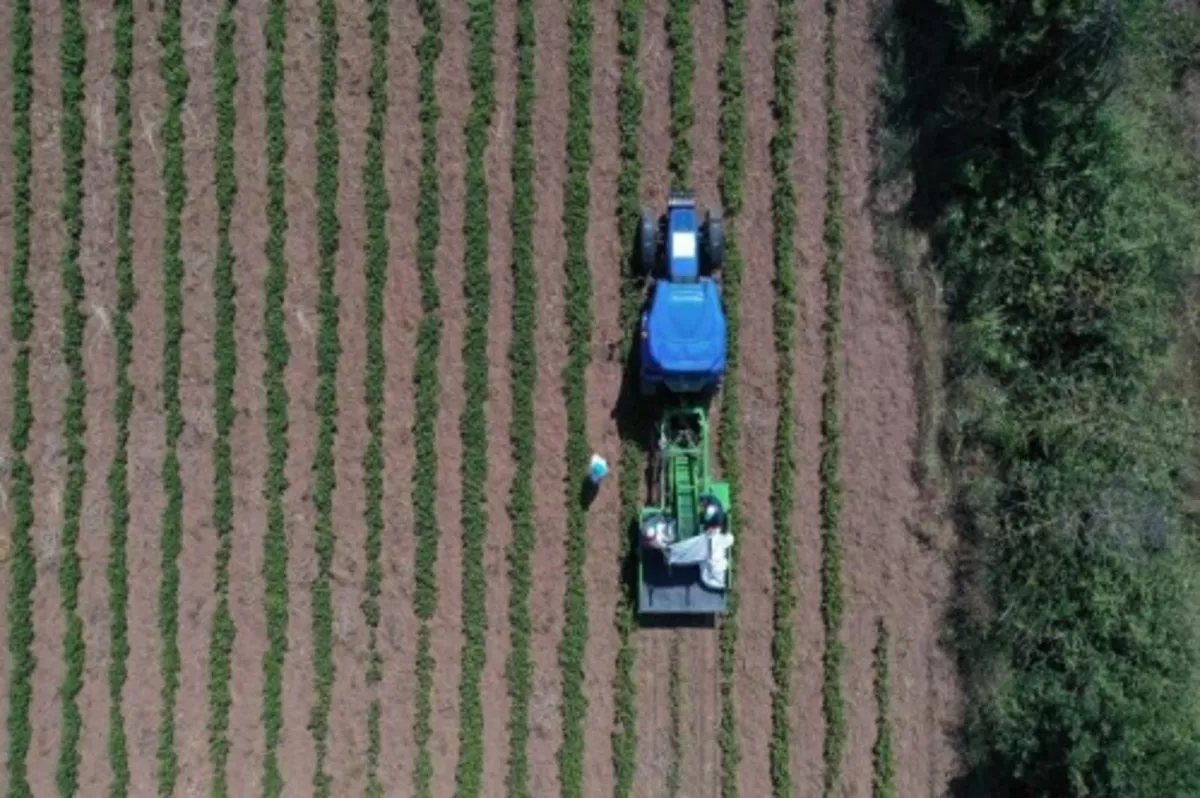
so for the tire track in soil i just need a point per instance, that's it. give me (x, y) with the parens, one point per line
(498, 409)
(146, 498)
(700, 754)
(653, 668)
(197, 601)
(248, 238)
(808, 171)
(96, 261)
(604, 530)
(300, 87)
(752, 671)
(351, 698)
(549, 471)
(453, 97)
(402, 310)
(7, 353)
(888, 571)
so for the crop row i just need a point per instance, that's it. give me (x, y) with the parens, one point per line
(220, 655)
(629, 117)
(481, 26)
(328, 353)
(832, 609)
(425, 379)
(175, 76)
(377, 249)
(74, 320)
(733, 172)
(24, 566)
(278, 352)
(883, 754)
(522, 363)
(783, 213)
(578, 299)
(118, 475)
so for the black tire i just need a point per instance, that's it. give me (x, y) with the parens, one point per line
(648, 243)
(714, 242)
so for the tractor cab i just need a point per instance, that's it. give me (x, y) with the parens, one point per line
(683, 326)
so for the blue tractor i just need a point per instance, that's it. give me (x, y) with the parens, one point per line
(683, 326)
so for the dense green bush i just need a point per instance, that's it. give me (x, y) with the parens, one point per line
(883, 754)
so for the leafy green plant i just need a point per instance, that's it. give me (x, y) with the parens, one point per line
(683, 74)
(220, 670)
(118, 475)
(883, 754)
(23, 569)
(425, 379)
(278, 352)
(522, 361)
(578, 302)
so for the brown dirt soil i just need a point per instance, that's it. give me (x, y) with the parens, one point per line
(97, 246)
(402, 309)
(808, 723)
(653, 645)
(348, 719)
(197, 600)
(248, 238)
(498, 162)
(48, 382)
(146, 500)
(301, 76)
(7, 351)
(549, 555)
(453, 96)
(752, 670)
(889, 573)
(603, 388)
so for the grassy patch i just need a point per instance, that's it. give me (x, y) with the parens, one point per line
(23, 569)
(683, 74)
(220, 669)
(883, 755)
(522, 361)
(576, 208)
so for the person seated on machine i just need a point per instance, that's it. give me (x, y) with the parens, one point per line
(712, 515)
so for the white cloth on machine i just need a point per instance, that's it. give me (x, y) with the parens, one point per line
(710, 552)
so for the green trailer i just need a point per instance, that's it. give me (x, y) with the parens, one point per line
(683, 561)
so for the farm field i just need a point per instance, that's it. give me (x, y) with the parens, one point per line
(316, 311)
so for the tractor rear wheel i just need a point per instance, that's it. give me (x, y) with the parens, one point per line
(648, 243)
(714, 242)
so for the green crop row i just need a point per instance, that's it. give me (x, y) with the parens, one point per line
(832, 607)
(629, 119)
(783, 212)
(733, 172)
(377, 249)
(175, 76)
(522, 364)
(328, 352)
(683, 74)
(675, 707)
(278, 352)
(220, 654)
(481, 26)
(23, 569)
(576, 210)
(425, 379)
(883, 755)
(118, 474)
(73, 129)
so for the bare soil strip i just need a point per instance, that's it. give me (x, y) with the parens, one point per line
(348, 719)
(809, 175)
(549, 554)
(752, 674)
(498, 162)
(605, 571)
(700, 711)
(199, 227)
(7, 353)
(97, 246)
(654, 645)
(402, 309)
(888, 570)
(48, 382)
(248, 237)
(301, 76)
(453, 96)
(146, 499)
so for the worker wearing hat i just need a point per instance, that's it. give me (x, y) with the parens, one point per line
(712, 514)
(597, 470)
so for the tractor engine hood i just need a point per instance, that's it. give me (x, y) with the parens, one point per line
(685, 329)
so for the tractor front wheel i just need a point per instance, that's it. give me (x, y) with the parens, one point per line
(648, 243)
(714, 241)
